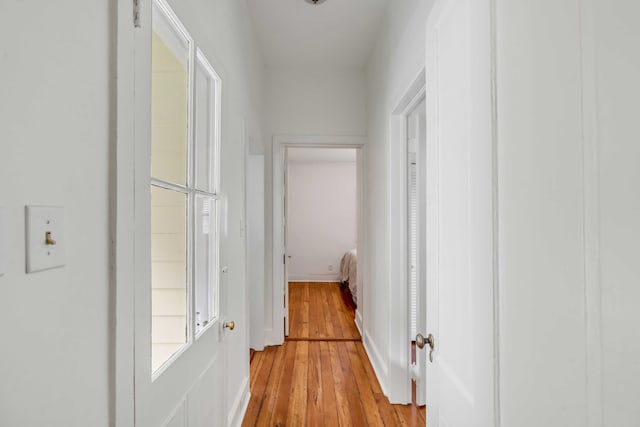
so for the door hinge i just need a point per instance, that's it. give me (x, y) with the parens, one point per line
(284, 260)
(136, 13)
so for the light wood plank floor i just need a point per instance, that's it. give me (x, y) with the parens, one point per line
(317, 312)
(319, 382)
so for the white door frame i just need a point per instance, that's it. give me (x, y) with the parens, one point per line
(399, 374)
(122, 222)
(280, 142)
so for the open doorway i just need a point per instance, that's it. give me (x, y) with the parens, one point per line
(321, 205)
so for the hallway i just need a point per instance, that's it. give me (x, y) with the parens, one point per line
(318, 311)
(147, 196)
(325, 379)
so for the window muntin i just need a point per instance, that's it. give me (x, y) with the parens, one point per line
(184, 185)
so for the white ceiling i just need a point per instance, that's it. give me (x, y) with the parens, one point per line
(334, 34)
(321, 155)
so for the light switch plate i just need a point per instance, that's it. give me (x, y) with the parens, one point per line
(43, 255)
(3, 243)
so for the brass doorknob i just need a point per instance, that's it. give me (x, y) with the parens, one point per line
(229, 325)
(422, 341)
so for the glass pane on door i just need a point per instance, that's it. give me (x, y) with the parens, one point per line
(204, 125)
(206, 262)
(168, 274)
(169, 103)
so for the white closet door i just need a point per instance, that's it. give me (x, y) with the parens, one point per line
(460, 246)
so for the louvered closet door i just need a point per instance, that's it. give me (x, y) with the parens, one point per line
(415, 268)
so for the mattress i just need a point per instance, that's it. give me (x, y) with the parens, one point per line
(349, 272)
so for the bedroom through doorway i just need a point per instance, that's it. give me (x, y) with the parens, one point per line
(322, 208)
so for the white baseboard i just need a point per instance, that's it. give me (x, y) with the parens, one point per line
(328, 280)
(240, 404)
(272, 338)
(358, 321)
(379, 367)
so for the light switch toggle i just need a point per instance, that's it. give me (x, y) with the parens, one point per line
(48, 240)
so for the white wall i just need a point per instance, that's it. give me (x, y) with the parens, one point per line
(541, 215)
(256, 249)
(56, 130)
(397, 60)
(569, 224)
(617, 35)
(56, 77)
(315, 102)
(306, 102)
(322, 222)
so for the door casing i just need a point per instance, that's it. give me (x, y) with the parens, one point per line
(399, 378)
(276, 335)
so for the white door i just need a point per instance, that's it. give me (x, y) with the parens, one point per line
(416, 221)
(285, 226)
(460, 239)
(180, 342)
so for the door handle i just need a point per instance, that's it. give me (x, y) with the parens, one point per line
(229, 325)
(421, 341)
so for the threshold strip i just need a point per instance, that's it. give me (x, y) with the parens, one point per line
(323, 339)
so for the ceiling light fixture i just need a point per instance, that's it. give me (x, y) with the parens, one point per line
(315, 1)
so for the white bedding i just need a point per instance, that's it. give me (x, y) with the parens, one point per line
(349, 272)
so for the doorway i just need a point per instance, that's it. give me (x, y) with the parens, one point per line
(320, 232)
(281, 148)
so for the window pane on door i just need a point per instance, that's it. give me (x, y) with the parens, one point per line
(168, 273)
(169, 103)
(206, 264)
(205, 123)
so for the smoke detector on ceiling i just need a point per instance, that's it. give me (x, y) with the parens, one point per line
(315, 1)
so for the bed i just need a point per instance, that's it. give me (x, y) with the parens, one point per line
(349, 273)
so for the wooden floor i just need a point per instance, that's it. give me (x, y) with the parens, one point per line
(318, 382)
(317, 312)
